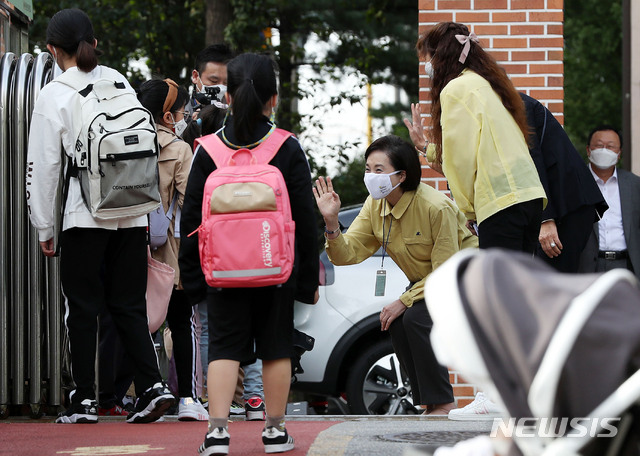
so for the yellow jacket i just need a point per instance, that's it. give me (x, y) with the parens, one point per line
(484, 154)
(426, 229)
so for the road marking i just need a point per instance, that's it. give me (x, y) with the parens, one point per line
(333, 446)
(110, 450)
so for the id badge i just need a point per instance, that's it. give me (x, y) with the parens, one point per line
(381, 281)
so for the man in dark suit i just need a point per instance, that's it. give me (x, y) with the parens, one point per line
(575, 202)
(615, 239)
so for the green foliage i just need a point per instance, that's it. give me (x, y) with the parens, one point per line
(593, 66)
(373, 40)
(349, 183)
(166, 33)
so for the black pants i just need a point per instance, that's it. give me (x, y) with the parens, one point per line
(515, 228)
(106, 268)
(412, 345)
(574, 230)
(181, 320)
(116, 370)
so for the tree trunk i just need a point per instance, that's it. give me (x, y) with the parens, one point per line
(217, 16)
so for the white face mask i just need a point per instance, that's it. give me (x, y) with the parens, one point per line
(379, 185)
(180, 126)
(603, 158)
(428, 68)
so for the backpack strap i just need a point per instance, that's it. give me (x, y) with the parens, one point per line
(82, 84)
(220, 153)
(268, 149)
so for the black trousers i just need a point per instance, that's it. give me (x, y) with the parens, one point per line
(412, 345)
(106, 268)
(514, 228)
(116, 369)
(181, 320)
(574, 230)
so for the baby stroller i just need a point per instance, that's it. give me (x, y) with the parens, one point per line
(559, 352)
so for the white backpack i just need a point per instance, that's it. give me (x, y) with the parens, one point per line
(116, 148)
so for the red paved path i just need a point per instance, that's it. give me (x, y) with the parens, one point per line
(41, 438)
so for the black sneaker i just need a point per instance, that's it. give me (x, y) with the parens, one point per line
(276, 441)
(152, 404)
(84, 412)
(254, 408)
(216, 442)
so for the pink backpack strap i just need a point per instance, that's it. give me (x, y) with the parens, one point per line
(216, 148)
(220, 153)
(268, 149)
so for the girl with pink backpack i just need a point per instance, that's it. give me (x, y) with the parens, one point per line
(248, 321)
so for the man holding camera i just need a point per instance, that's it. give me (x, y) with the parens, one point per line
(209, 78)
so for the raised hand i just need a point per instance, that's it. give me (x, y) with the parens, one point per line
(415, 127)
(328, 201)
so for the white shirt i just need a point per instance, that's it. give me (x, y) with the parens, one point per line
(611, 233)
(51, 127)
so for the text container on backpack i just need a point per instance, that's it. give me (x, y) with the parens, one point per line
(116, 149)
(247, 235)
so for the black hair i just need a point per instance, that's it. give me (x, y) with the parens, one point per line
(604, 127)
(218, 53)
(71, 30)
(210, 120)
(403, 157)
(251, 80)
(153, 93)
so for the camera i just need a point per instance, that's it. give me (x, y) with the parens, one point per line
(210, 94)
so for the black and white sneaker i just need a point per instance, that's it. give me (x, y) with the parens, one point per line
(216, 442)
(276, 441)
(84, 412)
(152, 404)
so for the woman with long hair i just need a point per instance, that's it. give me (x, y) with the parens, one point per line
(479, 130)
(250, 323)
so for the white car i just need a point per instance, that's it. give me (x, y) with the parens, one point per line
(352, 358)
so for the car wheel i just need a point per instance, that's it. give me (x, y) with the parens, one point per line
(377, 386)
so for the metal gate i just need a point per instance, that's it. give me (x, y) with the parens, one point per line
(30, 296)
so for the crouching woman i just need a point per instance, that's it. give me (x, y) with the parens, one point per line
(419, 228)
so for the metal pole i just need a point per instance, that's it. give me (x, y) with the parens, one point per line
(37, 303)
(19, 218)
(7, 67)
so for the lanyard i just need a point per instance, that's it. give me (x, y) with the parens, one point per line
(385, 244)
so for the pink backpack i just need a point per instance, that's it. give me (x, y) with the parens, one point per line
(247, 235)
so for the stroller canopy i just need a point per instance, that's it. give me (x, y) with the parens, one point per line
(542, 343)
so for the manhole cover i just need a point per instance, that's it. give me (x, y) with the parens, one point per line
(447, 438)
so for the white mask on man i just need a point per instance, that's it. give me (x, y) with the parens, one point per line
(603, 158)
(379, 185)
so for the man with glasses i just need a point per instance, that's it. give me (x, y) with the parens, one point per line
(615, 241)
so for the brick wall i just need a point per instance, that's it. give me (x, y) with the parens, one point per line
(526, 37)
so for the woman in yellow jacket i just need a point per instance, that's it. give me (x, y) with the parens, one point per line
(479, 130)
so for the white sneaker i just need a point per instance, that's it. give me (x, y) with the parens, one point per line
(191, 409)
(480, 409)
(236, 409)
(477, 446)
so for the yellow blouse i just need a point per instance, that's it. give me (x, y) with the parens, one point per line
(484, 154)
